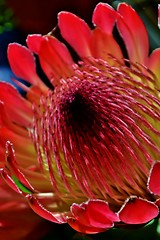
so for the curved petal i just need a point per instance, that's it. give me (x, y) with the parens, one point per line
(43, 212)
(104, 16)
(8, 179)
(25, 152)
(34, 42)
(133, 33)
(14, 170)
(23, 64)
(104, 46)
(18, 176)
(154, 63)
(6, 121)
(138, 211)
(94, 213)
(157, 202)
(79, 227)
(17, 107)
(154, 179)
(76, 32)
(55, 58)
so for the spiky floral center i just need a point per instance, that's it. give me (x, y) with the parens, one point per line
(97, 134)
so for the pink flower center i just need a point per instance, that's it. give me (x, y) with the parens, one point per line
(97, 134)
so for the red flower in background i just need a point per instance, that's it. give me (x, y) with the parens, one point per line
(17, 220)
(87, 152)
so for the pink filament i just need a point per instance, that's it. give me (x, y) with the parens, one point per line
(97, 132)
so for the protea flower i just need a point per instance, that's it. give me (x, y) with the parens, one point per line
(86, 150)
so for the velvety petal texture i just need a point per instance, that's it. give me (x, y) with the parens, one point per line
(83, 146)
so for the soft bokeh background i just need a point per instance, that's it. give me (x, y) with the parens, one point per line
(18, 19)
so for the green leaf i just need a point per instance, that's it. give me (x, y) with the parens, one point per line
(20, 185)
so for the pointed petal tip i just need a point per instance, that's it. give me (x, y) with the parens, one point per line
(14, 43)
(76, 32)
(133, 32)
(104, 13)
(22, 62)
(63, 13)
(125, 6)
(10, 155)
(102, 5)
(33, 42)
(23, 65)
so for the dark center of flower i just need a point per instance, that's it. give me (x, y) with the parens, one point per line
(78, 110)
(97, 134)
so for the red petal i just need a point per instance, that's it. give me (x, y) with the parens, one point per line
(154, 63)
(157, 202)
(44, 213)
(104, 45)
(138, 211)
(76, 32)
(154, 179)
(23, 64)
(36, 179)
(14, 168)
(25, 152)
(133, 33)
(104, 16)
(83, 228)
(16, 106)
(8, 179)
(34, 42)
(55, 58)
(94, 213)
(18, 134)
(7, 122)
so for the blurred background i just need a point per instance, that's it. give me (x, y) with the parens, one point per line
(19, 18)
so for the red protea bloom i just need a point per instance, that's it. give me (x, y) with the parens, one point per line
(87, 152)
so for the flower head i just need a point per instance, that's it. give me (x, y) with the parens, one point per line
(86, 150)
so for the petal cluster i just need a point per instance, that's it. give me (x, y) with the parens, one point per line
(86, 150)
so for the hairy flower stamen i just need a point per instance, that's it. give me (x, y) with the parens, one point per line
(96, 134)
